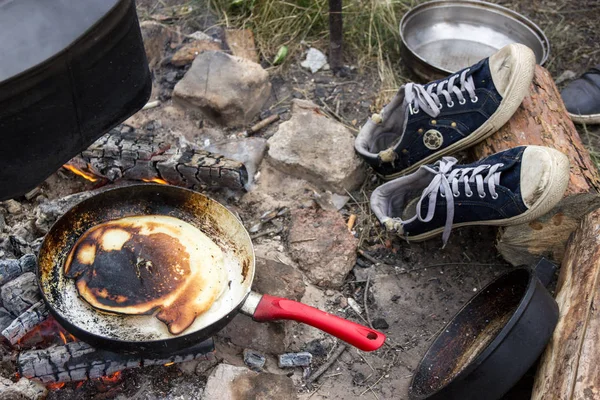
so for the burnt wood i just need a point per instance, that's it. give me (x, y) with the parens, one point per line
(10, 269)
(24, 323)
(142, 156)
(78, 361)
(21, 293)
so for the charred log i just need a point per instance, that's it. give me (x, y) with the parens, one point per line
(10, 269)
(20, 293)
(34, 315)
(77, 361)
(145, 157)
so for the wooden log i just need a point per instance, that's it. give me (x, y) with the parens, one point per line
(570, 366)
(33, 316)
(543, 120)
(10, 269)
(142, 156)
(20, 293)
(77, 361)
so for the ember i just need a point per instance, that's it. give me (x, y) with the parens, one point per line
(156, 180)
(80, 172)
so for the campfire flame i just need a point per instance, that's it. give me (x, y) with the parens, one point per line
(80, 172)
(110, 379)
(169, 364)
(55, 385)
(156, 180)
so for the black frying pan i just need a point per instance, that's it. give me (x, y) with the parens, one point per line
(145, 333)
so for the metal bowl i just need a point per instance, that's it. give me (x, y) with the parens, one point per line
(442, 37)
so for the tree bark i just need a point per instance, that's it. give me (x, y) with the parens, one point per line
(336, 34)
(570, 366)
(543, 120)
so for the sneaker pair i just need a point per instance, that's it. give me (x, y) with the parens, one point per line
(424, 123)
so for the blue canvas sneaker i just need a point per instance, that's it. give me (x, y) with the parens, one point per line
(508, 188)
(422, 123)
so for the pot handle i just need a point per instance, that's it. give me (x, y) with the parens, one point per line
(271, 308)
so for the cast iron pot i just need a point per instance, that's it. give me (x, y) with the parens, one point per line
(492, 341)
(145, 334)
(69, 71)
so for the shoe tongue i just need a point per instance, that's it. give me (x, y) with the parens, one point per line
(507, 176)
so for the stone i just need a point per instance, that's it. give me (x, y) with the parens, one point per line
(157, 38)
(241, 43)
(313, 147)
(249, 151)
(292, 360)
(315, 60)
(244, 332)
(13, 206)
(228, 90)
(278, 279)
(254, 360)
(24, 389)
(380, 323)
(188, 53)
(319, 241)
(229, 382)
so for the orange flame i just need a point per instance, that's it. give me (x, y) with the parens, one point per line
(55, 385)
(62, 336)
(79, 172)
(156, 180)
(113, 378)
(169, 364)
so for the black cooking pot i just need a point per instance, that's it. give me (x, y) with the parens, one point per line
(492, 342)
(69, 71)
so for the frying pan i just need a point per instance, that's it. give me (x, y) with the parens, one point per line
(145, 333)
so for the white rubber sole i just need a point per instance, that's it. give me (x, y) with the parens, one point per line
(592, 119)
(554, 192)
(517, 89)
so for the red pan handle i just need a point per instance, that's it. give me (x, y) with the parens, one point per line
(271, 308)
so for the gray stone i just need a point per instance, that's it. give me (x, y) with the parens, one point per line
(228, 90)
(24, 389)
(278, 279)
(157, 38)
(315, 60)
(314, 147)
(249, 151)
(254, 360)
(319, 241)
(228, 382)
(292, 360)
(244, 332)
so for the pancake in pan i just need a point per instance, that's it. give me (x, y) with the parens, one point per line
(142, 264)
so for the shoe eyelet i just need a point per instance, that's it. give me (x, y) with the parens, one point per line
(462, 102)
(442, 195)
(455, 194)
(482, 197)
(414, 111)
(495, 196)
(469, 195)
(475, 100)
(450, 105)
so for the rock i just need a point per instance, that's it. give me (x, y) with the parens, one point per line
(316, 348)
(188, 53)
(254, 360)
(199, 35)
(278, 279)
(292, 360)
(157, 38)
(268, 337)
(380, 323)
(249, 151)
(362, 274)
(315, 60)
(241, 43)
(229, 382)
(320, 243)
(314, 147)
(228, 90)
(24, 389)
(13, 206)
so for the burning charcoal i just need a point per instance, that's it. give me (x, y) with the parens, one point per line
(291, 360)
(254, 360)
(5, 318)
(380, 323)
(24, 389)
(36, 314)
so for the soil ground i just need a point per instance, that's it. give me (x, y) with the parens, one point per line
(421, 286)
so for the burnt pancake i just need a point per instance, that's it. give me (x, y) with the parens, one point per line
(143, 264)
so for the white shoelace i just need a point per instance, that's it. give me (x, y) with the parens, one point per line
(420, 97)
(446, 182)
